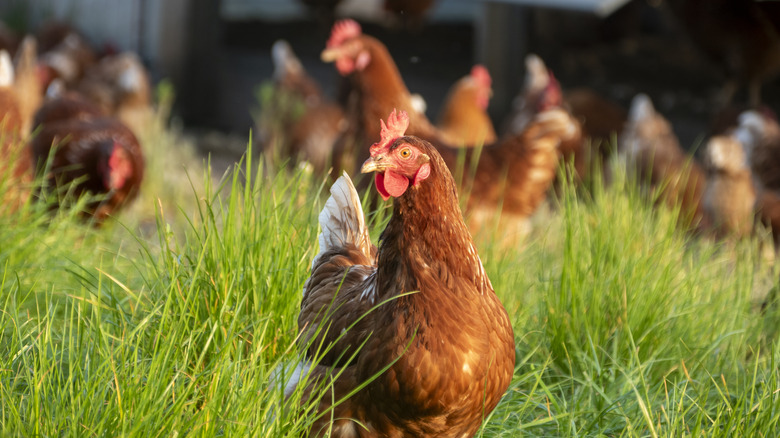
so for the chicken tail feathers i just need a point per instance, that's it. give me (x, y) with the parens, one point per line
(341, 220)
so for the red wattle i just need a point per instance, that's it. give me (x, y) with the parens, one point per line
(391, 184)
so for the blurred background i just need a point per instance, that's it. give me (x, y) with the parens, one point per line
(685, 55)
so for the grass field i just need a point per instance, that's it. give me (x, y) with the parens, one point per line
(170, 320)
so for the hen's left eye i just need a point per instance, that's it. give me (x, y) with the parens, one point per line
(406, 153)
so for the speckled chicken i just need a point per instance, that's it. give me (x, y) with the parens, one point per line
(440, 329)
(100, 152)
(650, 147)
(464, 119)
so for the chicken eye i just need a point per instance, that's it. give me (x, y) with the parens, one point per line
(406, 153)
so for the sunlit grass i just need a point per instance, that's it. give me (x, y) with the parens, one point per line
(171, 318)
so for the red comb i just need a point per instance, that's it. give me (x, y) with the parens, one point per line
(342, 31)
(481, 75)
(396, 125)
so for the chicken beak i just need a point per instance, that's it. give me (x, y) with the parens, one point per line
(374, 164)
(329, 55)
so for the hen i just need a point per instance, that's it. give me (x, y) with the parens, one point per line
(600, 118)
(464, 118)
(297, 120)
(119, 84)
(729, 197)
(68, 60)
(97, 154)
(510, 178)
(759, 134)
(650, 147)
(440, 341)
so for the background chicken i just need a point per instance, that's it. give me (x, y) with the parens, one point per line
(729, 198)
(68, 60)
(652, 150)
(759, 134)
(97, 154)
(742, 37)
(297, 120)
(600, 119)
(434, 388)
(119, 84)
(464, 118)
(512, 174)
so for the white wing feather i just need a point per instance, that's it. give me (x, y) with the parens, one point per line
(342, 221)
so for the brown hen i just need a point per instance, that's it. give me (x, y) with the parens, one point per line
(440, 341)
(729, 197)
(512, 175)
(97, 154)
(464, 118)
(651, 148)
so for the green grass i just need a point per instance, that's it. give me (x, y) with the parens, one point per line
(170, 320)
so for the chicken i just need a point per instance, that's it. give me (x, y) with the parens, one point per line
(741, 36)
(729, 197)
(512, 175)
(68, 60)
(464, 118)
(120, 85)
(97, 154)
(600, 118)
(650, 148)
(297, 120)
(439, 340)
(760, 135)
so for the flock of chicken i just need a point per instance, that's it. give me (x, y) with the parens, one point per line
(417, 318)
(71, 116)
(510, 175)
